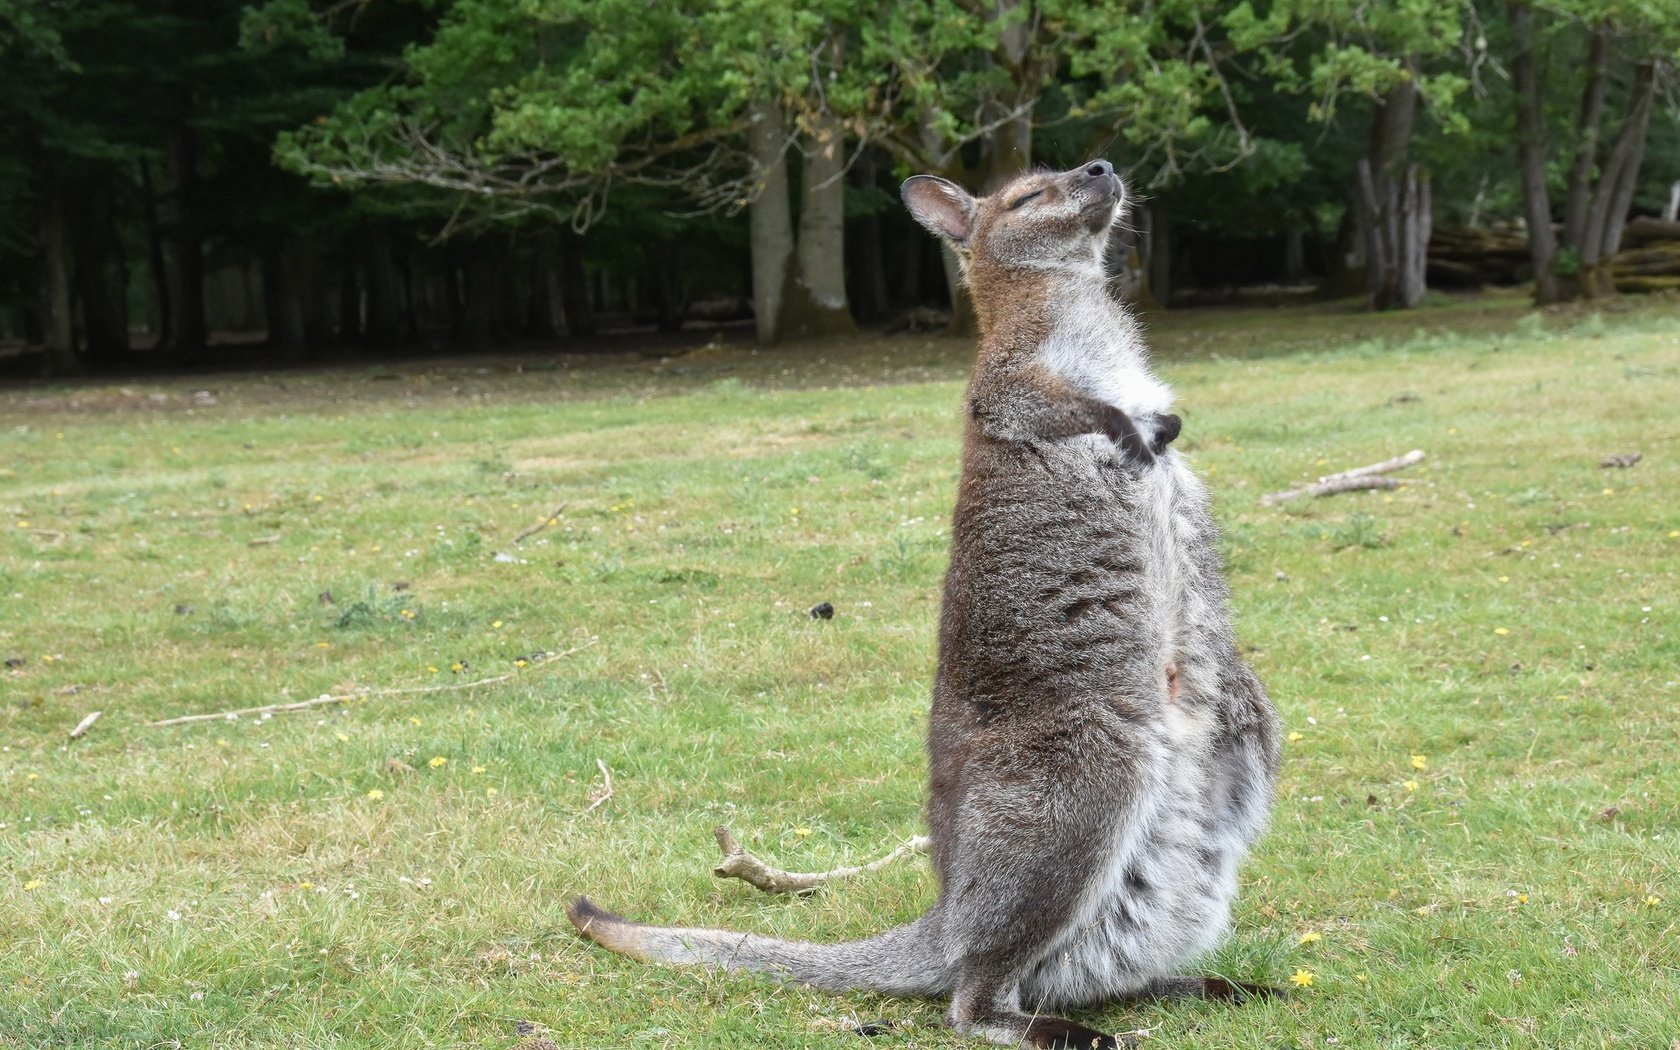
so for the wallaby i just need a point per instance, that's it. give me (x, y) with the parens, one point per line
(1101, 756)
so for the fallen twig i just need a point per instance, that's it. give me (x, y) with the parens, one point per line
(601, 794)
(737, 863)
(1349, 480)
(550, 519)
(263, 541)
(329, 699)
(85, 724)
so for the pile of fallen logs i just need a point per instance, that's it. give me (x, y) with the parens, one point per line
(1650, 257)
(1470, 257)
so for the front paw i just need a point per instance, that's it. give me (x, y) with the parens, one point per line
(1166, 427)
(1125, 435)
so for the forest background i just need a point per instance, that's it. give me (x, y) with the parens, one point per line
(191, 183)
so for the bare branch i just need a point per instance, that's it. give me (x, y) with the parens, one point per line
(329, 699)
(737, 863)
(1349, 480)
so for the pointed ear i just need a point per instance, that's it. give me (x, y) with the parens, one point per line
(941, 205)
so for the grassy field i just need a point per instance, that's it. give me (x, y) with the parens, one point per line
(1477, 832)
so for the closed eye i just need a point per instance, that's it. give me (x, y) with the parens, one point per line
(1022, 200)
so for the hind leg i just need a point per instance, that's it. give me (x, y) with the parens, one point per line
(987, 1005)
(1045, 826)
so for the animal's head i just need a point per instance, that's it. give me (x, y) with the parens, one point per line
(1039, 220)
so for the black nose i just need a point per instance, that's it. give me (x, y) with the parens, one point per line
(1099, 168)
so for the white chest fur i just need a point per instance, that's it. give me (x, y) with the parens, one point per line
(1095, 348)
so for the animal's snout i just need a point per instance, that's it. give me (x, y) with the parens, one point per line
(1098, 178)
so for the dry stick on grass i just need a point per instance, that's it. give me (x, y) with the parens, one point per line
(85, 724)
(605, 791)
(327, 700)
(1349, 480)
(737, 863)
(541, 525)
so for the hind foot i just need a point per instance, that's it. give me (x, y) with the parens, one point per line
(1216, 988)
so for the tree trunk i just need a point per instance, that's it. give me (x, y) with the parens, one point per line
(164, 329)
(670, 301)
(1531, 156)
(817, 305)
(57, 327)
(963, 320)
(1158, 246)
(384, 294)
(301, 268)
(574, 286)
(349, 302)
(1294, 254)
(282, 305)
(1392, 202)
(185, 251)
(540, 320)
(101, 270)
(511, 309)
(479, 300)
(770, 220)
(868, 285)
(1587, 125)
(1616, 185)
(1009, 145)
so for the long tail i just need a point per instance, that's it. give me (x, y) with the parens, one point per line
(904, 961)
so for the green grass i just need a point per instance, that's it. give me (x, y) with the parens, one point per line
(1509, 615)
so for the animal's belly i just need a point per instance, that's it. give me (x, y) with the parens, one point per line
(1159, 907)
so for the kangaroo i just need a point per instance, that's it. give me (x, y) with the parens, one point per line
(1101, 757)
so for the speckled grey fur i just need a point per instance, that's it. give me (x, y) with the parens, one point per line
(1101, 757)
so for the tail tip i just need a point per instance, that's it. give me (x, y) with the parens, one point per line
(584, 913)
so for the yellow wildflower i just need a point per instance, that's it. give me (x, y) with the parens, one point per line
(1411, 785)
(1302, 979)
(1420, 762)
(496, 624)
(342, 737)
(32, 885)
(1652, 901)
(33, 776)
(490, 792)
(1501, 630)
(438, 762)
(376, 794)
(803, 833)
(477, 770)
(1310, 937)
(1293, 737)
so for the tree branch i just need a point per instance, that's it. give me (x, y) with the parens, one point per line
(1349, 480)
(737, 863)
(329, 699)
